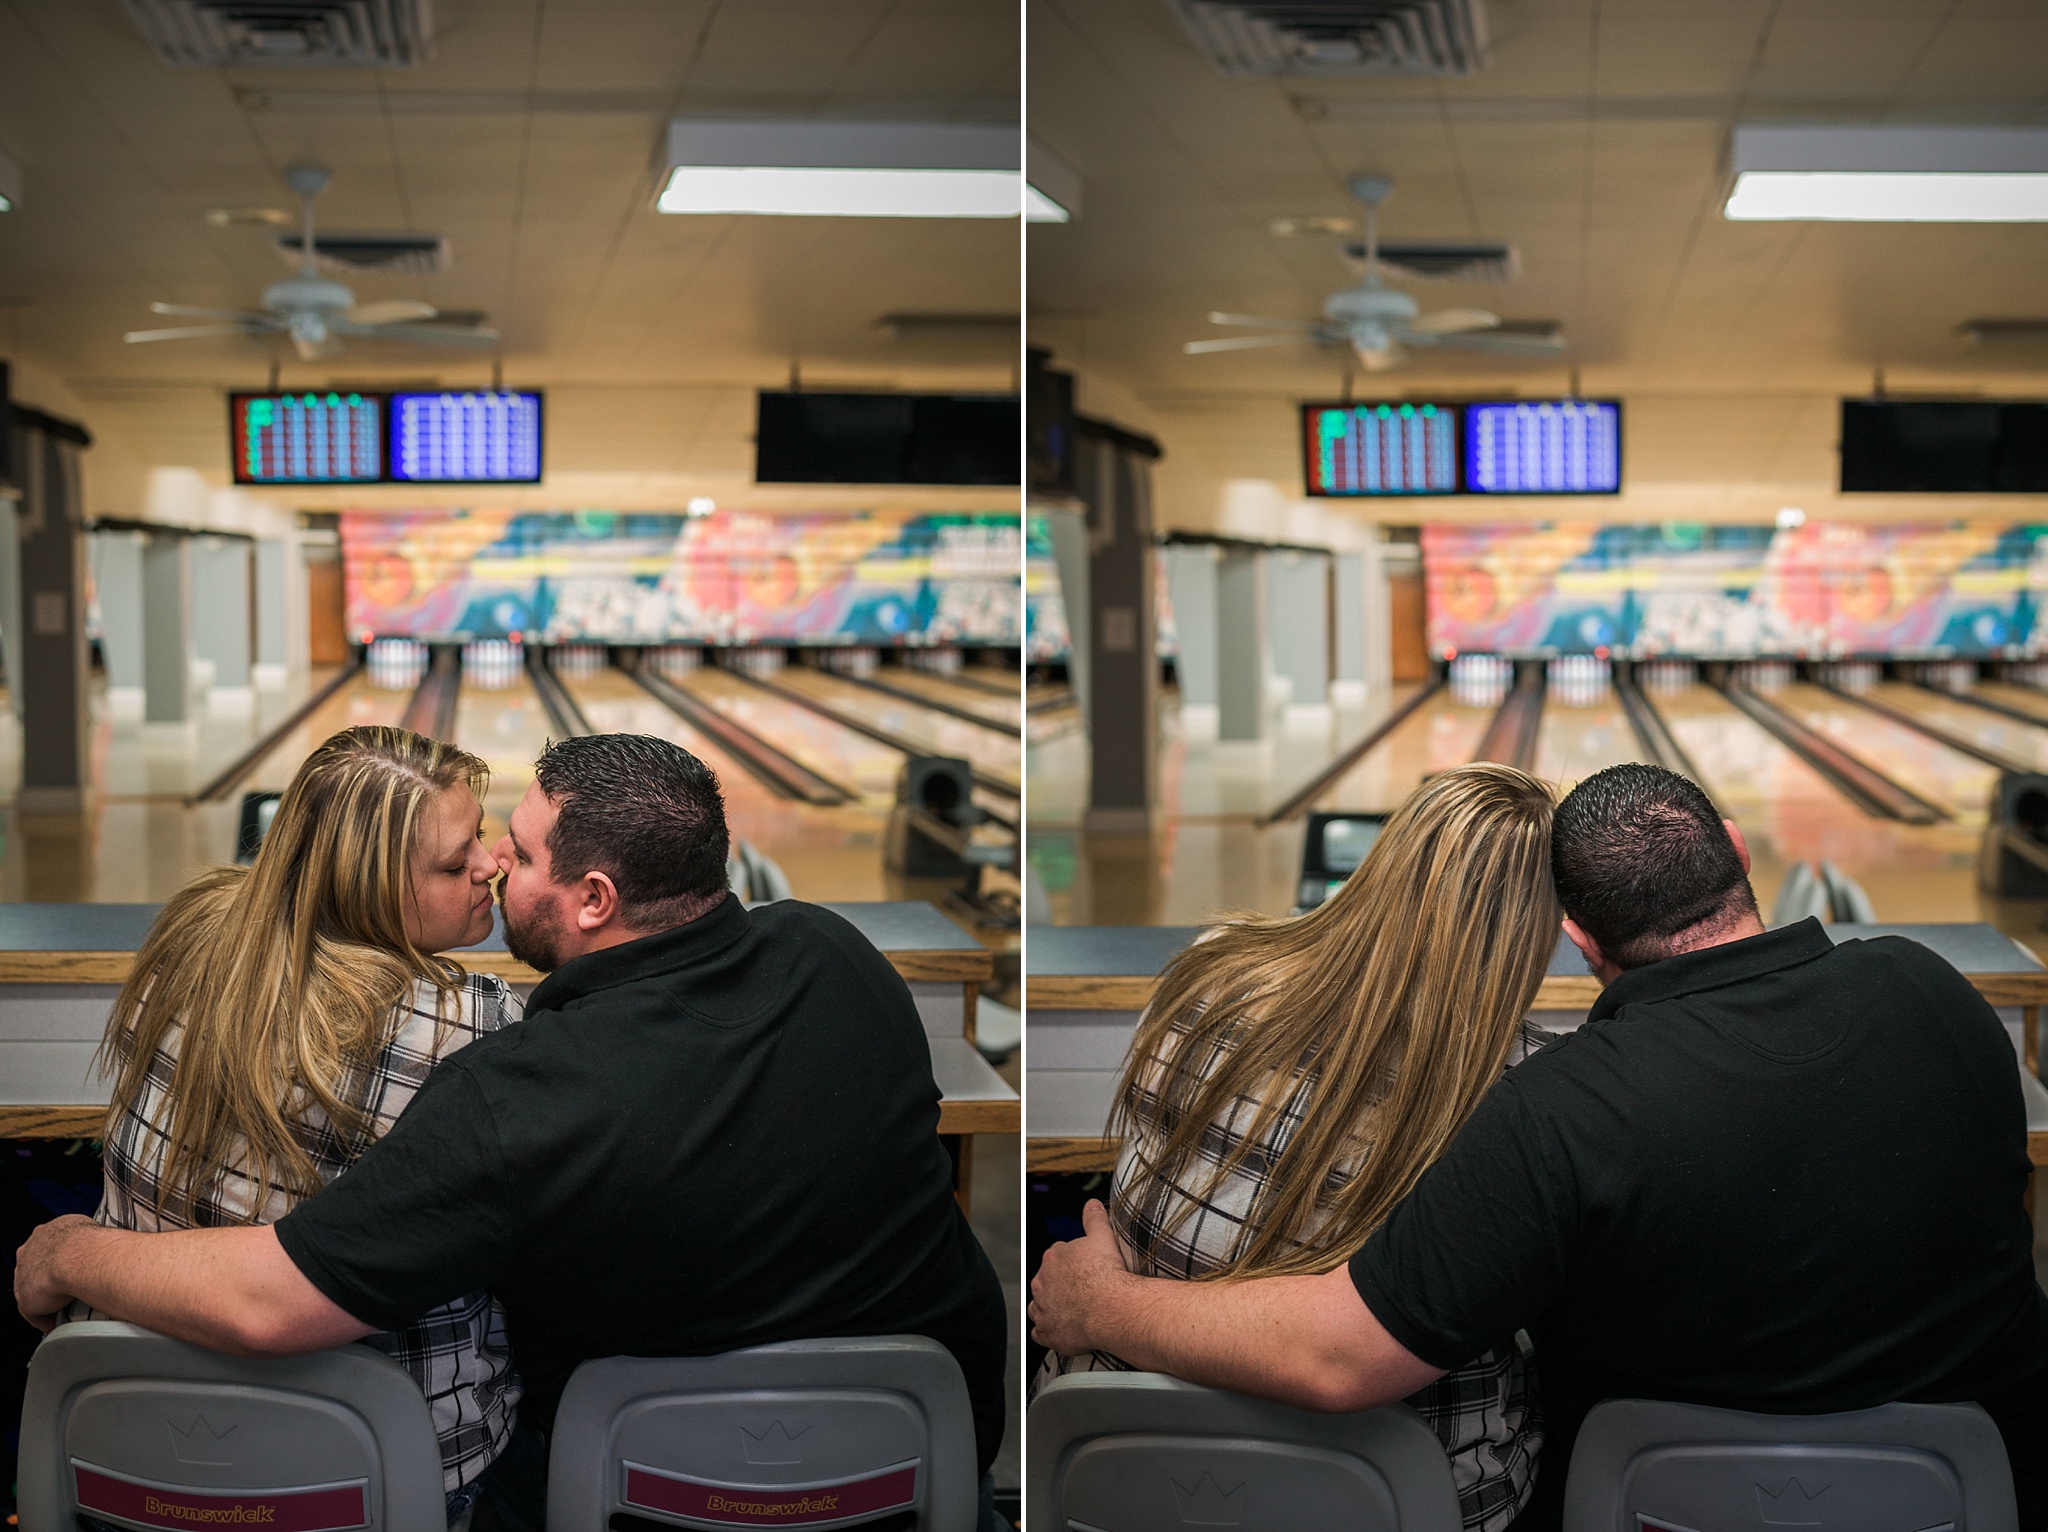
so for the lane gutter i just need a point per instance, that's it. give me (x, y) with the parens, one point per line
(965, 715)
(1933, 731)
(1299, 800)
(432, 709)
(1511, 738)
(1855, 779)
(780, 773)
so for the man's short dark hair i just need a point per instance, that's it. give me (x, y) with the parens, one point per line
(1639, 855)
(645, 813)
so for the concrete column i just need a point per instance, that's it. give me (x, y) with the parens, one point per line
(1114, 479)
(1348, 686)
(1298, 592)
(1243, 651)
(167, 628)
(10, 599)
(51, 681)
(1068, 530)
(1191, 585)
(220, 614)
(1379, 651)
(117, 576)
(273, 624)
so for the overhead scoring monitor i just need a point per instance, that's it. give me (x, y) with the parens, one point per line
(1385, 448)
(1543, 447)
(306, 438)
(481, 437)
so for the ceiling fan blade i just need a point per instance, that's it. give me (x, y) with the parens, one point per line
(1453, 321)
(432, 334)
(187, 311)
(1255, 322)
(1523, 345)
(1245, 343)
(391, 311)
(185, 332)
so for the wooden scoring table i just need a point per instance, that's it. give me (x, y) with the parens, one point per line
(1085, 985)
(62, 964)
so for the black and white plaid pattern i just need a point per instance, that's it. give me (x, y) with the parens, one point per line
(457, 1353)
(1485, 1413)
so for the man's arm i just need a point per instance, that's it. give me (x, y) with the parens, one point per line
(1305, 1341)
(231, 1290)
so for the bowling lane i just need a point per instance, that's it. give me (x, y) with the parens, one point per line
(1573, 742)
(1441, 734)
(2007, 694)
(357, 704)
(615, 704)
(2025, 744)
(971, 699)
(854, 761)
(1956, 781)
(508, 728)
(935, 733)
(1788, 812)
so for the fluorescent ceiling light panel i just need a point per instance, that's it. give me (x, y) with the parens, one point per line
(10, 185)
(843, 169)
(1891, 174)
(1052, 192)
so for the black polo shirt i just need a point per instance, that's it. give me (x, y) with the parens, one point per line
(1776, 1175)
(722, 1135)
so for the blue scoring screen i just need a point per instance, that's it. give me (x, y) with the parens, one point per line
(1543, 447)
(484, 437)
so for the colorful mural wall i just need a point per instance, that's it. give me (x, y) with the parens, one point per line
(875, 577)
(1825, 588)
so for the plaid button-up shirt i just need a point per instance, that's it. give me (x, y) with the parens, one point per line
(1485, 1413)
(457, 1353)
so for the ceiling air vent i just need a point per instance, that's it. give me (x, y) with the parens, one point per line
(1447, 260)
(1337, 37)
(419, 254)
(296, 34)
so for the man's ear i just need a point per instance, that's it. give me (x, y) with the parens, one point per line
(1741, 845)
(600, 902)
(1588, 948)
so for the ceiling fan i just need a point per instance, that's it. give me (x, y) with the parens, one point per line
(313, 311)
(1377, 322)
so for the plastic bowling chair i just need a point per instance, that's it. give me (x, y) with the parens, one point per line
(135, 1429)
(1139, 1452)
(874, 1431)
(1641, 1466)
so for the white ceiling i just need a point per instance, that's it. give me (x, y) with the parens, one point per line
(531, 141)
(1596, 142)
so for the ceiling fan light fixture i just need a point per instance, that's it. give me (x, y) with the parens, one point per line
(1886, 174)
(842, 170)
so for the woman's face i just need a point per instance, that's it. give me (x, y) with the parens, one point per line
(448, 898)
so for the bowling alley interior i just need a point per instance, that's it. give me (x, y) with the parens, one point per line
(466, 366)
(1537, 385)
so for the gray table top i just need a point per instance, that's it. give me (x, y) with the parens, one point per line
(1125, 951)
(893, 926)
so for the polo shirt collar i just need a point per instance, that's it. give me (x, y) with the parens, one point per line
(660, 953)
(1712, 967)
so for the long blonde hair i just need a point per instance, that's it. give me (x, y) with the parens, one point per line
(1382, 1016)
(283, 976)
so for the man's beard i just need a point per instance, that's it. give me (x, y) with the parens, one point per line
(537, 942)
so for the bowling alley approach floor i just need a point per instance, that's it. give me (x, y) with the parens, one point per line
(141, 838)
(1213, 853)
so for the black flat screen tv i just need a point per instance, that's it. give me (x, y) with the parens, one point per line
(818, 438)
(1958, 447)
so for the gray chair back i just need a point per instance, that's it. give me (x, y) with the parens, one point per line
(840, 1432)
(1641, 1465)
(139, 1430)
(1138, 1452)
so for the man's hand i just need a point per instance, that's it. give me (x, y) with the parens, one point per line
(1077, 1279)
(39, 1292)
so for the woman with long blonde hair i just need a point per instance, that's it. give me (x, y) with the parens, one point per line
(1292, 1079)
(281, 1016)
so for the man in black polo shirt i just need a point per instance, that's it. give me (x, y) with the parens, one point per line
(715, 1128)
(1769, 1173)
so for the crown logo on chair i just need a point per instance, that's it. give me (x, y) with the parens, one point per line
(774, 1445)
(1790, 1505)
(200, 1443)
(1205, 1503)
